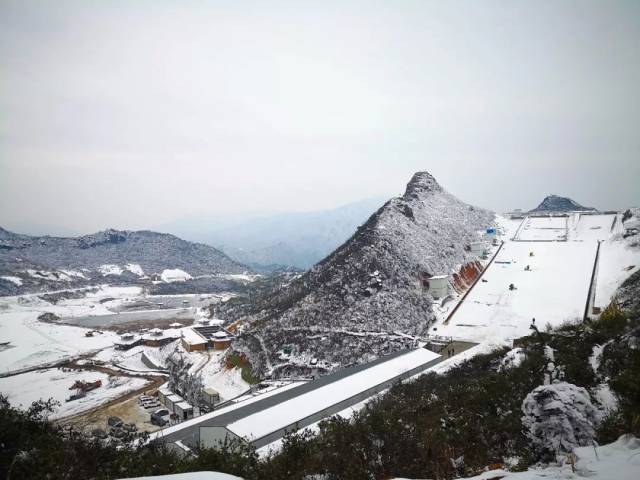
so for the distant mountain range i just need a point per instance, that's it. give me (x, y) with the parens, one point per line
(30, 263)
(554, 203)
(374, 282)
(297, 239)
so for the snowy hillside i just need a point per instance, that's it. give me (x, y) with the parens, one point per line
(373, 282)
(33, 263)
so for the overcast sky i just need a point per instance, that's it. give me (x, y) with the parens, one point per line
(132, 114)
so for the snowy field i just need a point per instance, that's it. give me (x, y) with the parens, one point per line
(591, 228)
(35, 343)
(555, 287)
(543, 229)
(54, 383)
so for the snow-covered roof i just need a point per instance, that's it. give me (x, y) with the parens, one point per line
(176, 325)
(165, 390)
(438, 277)
(175, 398)
(220, 335)
(184, 405)
(192, 337)
(297, 408)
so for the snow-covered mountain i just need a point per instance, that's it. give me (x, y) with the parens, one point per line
(373, 282)
(554, 203)
(110, 255)
(297, 239)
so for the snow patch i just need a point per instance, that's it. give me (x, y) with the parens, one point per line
(16, 280)
(74, 273)
(135, 269)
(175, 275)
(606, 398)
(513, 358)
(29, 387)
(110, 269)
(619, 460)
(51, 276)
(596, 356)
(191, 476)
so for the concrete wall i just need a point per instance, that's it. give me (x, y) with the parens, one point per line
(212, 437)
(194, 347)
(438, 287)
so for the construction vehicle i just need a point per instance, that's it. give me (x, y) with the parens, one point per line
(85, 386)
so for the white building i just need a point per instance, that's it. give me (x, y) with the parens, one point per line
(438, 286)
(265, 421)
(479, 249)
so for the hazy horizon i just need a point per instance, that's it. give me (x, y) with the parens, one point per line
(130, 115)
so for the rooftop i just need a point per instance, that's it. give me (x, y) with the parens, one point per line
(192, 336)
(286, 408)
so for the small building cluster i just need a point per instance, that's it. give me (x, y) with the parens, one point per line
(176, 405)
(268, 419)
(180, 409)
(153, 338)
(209, 337)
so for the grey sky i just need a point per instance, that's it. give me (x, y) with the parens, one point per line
(131, 114)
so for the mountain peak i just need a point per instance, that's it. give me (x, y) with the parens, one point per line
(420, 184)
(555, 203)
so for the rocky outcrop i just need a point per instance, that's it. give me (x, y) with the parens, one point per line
(554, 203)
(372, 283)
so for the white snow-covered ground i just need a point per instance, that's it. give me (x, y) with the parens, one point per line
(16, 280)
(618, 261)
(190, 476)
(619, 460)
(135, 269)
(553, 290)
(590, 228)
(228, 383)
(543, 228)
(36, 343)
(555, 287)
(110, 270)
(175, 275)
(54, 383)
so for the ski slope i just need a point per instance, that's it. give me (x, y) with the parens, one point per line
(552, 291)
(560, 253)
(543, 229)
(591, 228)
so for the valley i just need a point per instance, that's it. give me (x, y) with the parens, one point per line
(425, 285)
